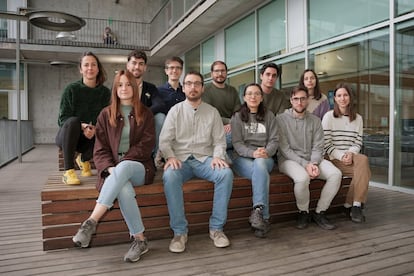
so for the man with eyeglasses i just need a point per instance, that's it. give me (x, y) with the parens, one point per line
(192, 141)
(222, 96)
(274, 100)
(300, 156)
(148, 92)
(171, 93)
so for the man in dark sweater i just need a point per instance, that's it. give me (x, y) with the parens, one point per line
(150, 97)
(222, 96)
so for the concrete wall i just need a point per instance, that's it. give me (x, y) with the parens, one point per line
(46, 84)
(142, 11)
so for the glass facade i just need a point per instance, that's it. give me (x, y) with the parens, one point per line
(8, 96)
(357, 46)
(329, 18)
(404, 6)
(236, 55)
(207, 56)
(271, 29)
(404, 106)
(192, 60)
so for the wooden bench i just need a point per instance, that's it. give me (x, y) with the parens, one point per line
(64, 207)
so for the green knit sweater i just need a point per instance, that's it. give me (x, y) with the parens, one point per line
(79, 100)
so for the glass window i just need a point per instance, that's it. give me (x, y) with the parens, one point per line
(240, 34)
(207, 56)
(363, 62)
(271, 29)
(291, 67)
(404, 107)
(404, 6)
(4, 105)
(3, 22)
(8, 76)
(331, 18)
(192, 60)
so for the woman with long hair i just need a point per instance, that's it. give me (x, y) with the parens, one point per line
(125, 137)
(79, 107)
(343, 141)
(318, 103)
(255, 141)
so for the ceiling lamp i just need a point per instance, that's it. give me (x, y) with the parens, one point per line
(55, 21)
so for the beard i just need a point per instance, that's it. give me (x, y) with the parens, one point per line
(194, 97)
(300, 110)
(220, 80)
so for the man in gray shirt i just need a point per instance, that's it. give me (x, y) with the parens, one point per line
(193, 144)
(300, 156)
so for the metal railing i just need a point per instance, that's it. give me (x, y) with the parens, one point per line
(8, 139)
(130, 35)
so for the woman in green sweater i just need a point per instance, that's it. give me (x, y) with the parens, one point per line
(79, 107)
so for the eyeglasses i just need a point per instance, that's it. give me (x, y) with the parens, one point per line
(174, 68)
(219, 71)
(253, 94)
(195, 83)
(301, 99)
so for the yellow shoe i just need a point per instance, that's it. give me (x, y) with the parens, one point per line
(70, 177)
(84, 166)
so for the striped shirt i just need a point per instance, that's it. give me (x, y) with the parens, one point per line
(341, 135)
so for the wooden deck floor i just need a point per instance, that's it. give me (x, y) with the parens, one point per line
(384, 245)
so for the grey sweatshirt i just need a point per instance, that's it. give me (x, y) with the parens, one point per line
(247, 137)
(300, 139)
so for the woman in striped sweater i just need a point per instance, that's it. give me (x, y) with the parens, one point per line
(343, 141)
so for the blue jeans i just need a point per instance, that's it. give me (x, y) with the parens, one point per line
(173, 189)
(159, 119)
(120, 184)
(229, 144)
(257, 170)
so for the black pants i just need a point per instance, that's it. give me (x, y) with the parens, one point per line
(70, 139)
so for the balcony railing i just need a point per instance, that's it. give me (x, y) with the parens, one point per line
(130, 35)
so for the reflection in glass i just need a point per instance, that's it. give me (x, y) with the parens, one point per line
(364, 64)
(404, 107)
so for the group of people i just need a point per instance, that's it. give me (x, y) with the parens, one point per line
(205, 131)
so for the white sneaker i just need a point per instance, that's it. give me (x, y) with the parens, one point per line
(219, 238)
(177, 244)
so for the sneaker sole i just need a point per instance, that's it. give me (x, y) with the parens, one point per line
(176, 250)
(323, 226)
(68, 183)
(86, 174)
(220, 245)
(357, 220)
(79, 244)
(137, 259)
(258, 226)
